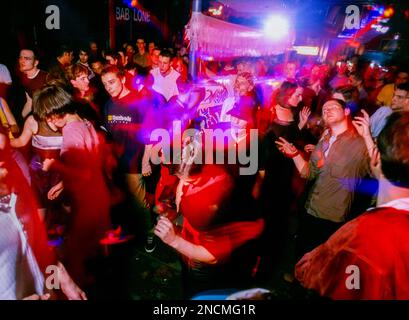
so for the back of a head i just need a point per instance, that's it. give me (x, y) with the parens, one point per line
(63, 49)
(349, 92)
(53, 99)
(393, 142)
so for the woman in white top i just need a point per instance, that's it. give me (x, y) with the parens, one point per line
(46, 144)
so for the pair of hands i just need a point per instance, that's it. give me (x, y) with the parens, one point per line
(361, 124)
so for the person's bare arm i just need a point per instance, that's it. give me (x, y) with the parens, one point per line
(9, 116)
(363, 127)
(166, 232)
(30, 128)
(28, 106)
(289, 150)
(258, 184)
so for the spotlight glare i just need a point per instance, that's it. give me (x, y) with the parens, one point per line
(276, 27)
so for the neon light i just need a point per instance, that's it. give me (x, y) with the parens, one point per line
(216, 12)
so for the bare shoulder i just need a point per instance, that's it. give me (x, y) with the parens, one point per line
(32, 124)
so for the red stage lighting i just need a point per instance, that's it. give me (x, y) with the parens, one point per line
(389, 12)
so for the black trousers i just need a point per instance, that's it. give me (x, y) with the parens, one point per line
(312, 232)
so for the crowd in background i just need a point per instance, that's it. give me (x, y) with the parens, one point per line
(77, 131)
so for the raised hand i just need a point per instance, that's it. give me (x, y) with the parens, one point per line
(363, 124)
(288, 149)
(304, 114)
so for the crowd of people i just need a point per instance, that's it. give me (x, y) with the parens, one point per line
(79, 145)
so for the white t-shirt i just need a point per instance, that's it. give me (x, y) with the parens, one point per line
(20, 275)
(167, 85)
(5, 76)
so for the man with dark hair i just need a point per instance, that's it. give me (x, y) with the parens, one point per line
(367, 258)
(141, 58)
(400, 102)
(83, 60)
(154, 57)
(57, 68)
(164, 79)
(124, 114)
(335, 169)
(32, 78)
(113, 58)
(93, 50)
(357, 81)
(385, 96)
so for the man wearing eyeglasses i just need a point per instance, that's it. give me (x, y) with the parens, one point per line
(385, 96)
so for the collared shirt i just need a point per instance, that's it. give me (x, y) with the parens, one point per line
(378, 120)
(398, 204)
(336, 175)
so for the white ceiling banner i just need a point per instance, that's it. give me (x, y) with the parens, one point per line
(217, 39)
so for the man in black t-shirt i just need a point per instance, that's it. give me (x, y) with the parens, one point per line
(123, 116)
